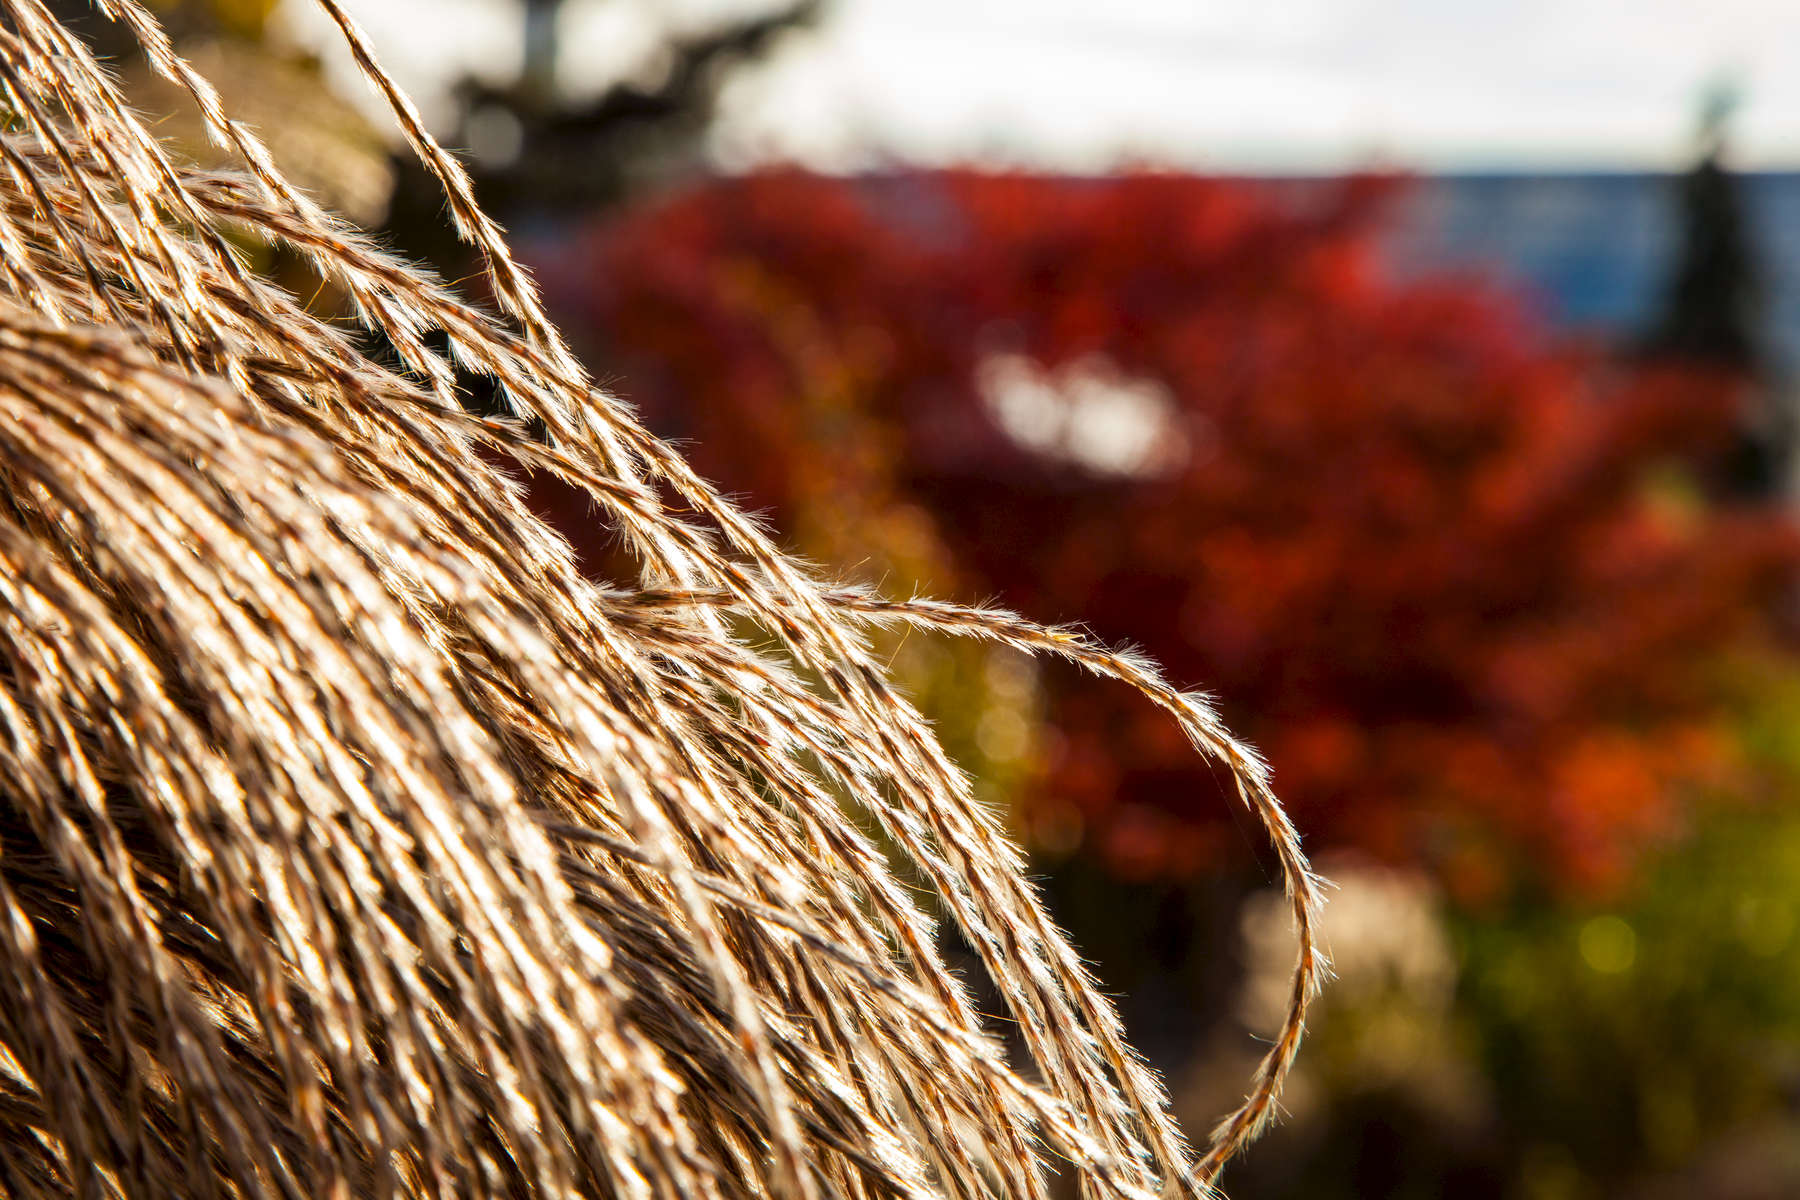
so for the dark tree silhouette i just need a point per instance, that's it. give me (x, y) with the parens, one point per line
(544, 159)
(1712, 310)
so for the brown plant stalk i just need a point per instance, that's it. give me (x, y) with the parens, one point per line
(352, 842)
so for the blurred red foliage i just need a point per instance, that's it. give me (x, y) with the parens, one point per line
(1456, 583)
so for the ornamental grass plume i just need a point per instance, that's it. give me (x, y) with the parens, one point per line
(352, 843)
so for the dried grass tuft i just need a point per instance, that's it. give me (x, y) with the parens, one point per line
(355, 844)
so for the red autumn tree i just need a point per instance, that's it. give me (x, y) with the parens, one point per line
(1456, 583)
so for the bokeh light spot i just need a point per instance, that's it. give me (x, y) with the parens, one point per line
(1608, 945)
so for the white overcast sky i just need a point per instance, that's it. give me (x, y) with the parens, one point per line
(1248, 85)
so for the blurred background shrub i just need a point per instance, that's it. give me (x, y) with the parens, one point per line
(1500, 610)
